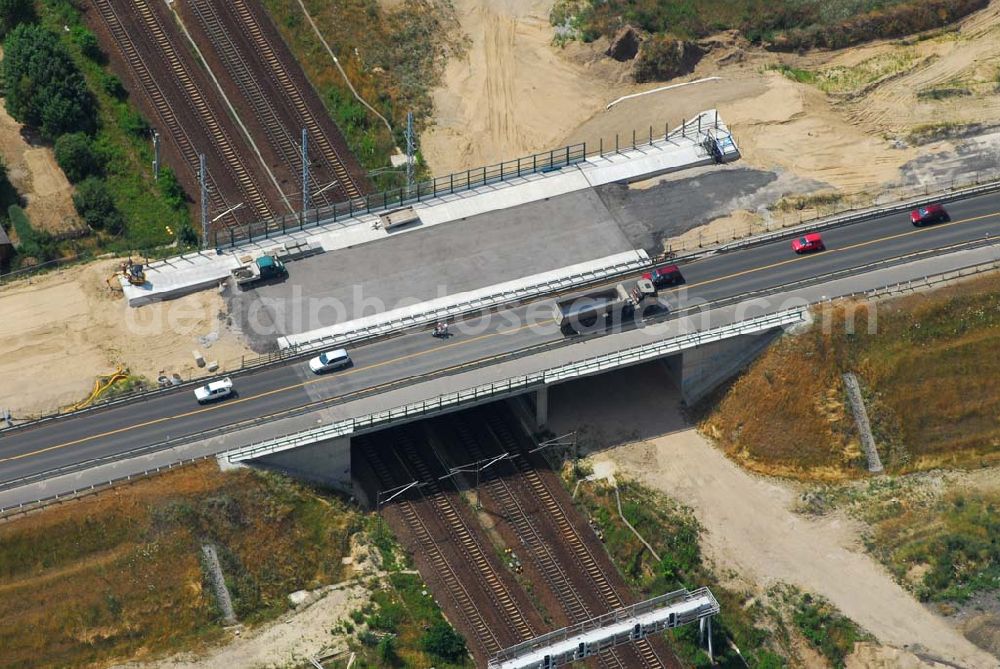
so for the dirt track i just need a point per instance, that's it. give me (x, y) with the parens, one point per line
(749, 524)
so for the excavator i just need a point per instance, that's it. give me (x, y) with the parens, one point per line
(133, 272)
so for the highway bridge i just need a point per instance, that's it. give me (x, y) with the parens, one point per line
(289, 398)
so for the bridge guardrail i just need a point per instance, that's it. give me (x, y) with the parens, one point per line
(855, 217)
(518, 384)
(885, 290)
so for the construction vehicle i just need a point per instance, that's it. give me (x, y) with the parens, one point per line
(261, 269)
(133, 272)
(592, 310)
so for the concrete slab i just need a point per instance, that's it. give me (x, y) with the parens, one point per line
(438, 305)
(432, 263)
(177, 276)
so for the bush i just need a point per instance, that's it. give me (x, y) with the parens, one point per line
(94, 203)
(32, 243)
(44, 87)
(15, 12)
(443, 642)
(112, 85)
(661, 58)
(75, 155)
(88, 44)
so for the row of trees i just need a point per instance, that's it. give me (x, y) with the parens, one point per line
(46, 90)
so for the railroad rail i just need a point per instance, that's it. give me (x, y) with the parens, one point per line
(483, 568)
(245, 179)
(279, 138)
(512, 507)
(431, 550)
(281, 76)
(568, 534)
(154, 95)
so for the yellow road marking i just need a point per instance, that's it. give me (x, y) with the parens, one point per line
(463, 342)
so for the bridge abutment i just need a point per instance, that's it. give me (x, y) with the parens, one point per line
(327, 463)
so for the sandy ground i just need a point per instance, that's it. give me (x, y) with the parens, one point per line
(749, 523)
(516, 93)
(67, 327)
(33, 171)
(512, 93)
(290, 641)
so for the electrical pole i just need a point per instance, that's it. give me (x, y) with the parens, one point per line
(156, 155)
(409, 152)
(202, 182)
(305, 173)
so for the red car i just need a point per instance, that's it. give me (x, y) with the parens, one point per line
(807, 243)
(667, 275)
(932, 213)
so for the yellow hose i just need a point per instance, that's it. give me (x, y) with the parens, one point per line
(101, 384)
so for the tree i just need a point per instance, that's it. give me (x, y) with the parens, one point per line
(75, 155)
(444, 642)
(14, 12)
(44, 87)
(94, 203)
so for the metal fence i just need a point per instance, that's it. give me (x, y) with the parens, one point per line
(779, 222)
(452, 183)
(546, 161)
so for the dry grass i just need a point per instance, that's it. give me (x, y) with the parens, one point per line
(118, 575)
(931, 375)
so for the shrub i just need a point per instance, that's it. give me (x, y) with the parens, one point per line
(88, 44)
(14, 12)
(112, 85)
(94, 203)
(75, 155)
(662, 58)
(44, 87)
(32, 243)
(443, 642)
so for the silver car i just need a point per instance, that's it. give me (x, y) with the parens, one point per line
(215, 390)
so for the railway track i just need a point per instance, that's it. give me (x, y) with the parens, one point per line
(236, 67)
(223, 144)
(154, 95)
(506, 606)
(431, 551)
(532, 537)
(281, 76)
(568, 534)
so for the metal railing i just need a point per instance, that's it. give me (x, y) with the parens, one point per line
(400, 197)
(691, 605)
(515, 385)
(538, 163)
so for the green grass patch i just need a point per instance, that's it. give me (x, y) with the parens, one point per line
(943, 93)
(787, 25)
(393, 56)
(826, 629)
(402, 625)
(675, 534)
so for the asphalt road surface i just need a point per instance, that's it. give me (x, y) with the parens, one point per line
(78, 438)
